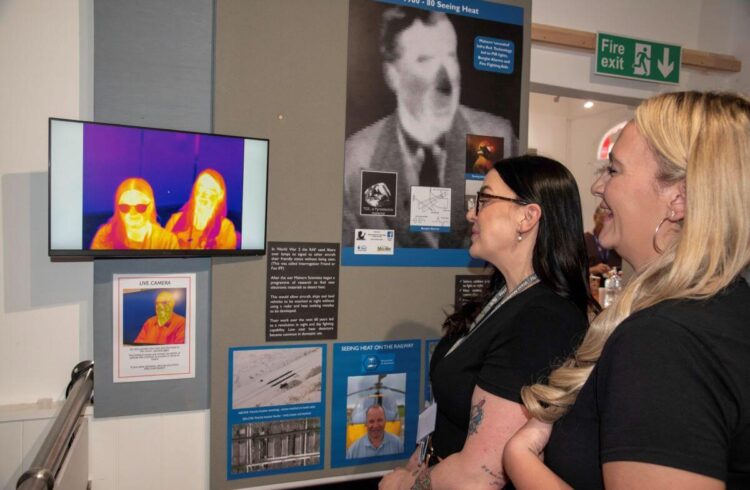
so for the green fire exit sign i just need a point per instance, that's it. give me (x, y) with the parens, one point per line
(625, 57)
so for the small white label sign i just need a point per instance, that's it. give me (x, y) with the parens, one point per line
(373, 242)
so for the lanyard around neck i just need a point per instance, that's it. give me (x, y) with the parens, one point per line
(494, 304)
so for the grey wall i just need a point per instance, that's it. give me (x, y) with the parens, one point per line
(152, 67)
(121, 399)
(153, 63)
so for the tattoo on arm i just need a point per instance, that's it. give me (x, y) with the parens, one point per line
(475, 416)
(423, 481)
(498, 480)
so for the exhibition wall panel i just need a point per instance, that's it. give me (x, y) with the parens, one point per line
(281, 73)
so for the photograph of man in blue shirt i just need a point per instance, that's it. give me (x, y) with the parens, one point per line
(377, 441)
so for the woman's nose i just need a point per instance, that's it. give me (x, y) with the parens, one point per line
(597, 188)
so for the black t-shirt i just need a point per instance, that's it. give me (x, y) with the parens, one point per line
(672, 388)
(598, 254)
(514, 347)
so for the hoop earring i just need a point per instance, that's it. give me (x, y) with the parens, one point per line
(656, 232)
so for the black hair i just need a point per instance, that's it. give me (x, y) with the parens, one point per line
(397, 20)
(559, 258)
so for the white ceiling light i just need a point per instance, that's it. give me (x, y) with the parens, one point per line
(588, 104)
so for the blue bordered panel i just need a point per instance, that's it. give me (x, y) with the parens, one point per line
(413, 257)
(367, 374)
(429, 348)
(478, 9)
(494, 53)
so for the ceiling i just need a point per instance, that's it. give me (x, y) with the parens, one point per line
(568, 107)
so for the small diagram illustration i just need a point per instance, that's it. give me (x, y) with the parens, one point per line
(431, 207)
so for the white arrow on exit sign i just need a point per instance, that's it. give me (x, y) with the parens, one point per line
(664, 65)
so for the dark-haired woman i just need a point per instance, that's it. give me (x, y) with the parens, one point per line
(527, 225)
(133, 224)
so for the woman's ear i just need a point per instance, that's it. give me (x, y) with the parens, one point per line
(678, 200)
(531, 214)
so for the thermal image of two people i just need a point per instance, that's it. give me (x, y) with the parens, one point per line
(200, 224)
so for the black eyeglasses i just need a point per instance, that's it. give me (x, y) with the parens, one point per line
(483, 199)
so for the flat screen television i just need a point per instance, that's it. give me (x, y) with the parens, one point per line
(127, 191)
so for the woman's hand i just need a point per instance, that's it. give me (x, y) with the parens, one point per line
(413, 463)
(400, 478)
(532, 437)
(599, 269)
(523, 458)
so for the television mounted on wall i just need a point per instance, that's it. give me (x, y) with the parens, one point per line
(129, 191)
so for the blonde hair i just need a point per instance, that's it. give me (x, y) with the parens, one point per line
(702, 139)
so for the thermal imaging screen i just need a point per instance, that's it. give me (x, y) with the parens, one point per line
(124, 188)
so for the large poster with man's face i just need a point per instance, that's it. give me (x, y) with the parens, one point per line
(433, 101)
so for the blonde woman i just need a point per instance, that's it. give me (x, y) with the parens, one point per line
(658, 393)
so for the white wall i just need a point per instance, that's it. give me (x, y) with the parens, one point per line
(45, 312)
(548, 134)
(45, 315)
(566, 132)
(584, 134)
(46, 326)
(718, 26)
(45, 309)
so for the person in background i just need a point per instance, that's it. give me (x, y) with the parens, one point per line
(657, 395)
(166, 327)
(601, 259)
(202, 222)
(377, 441)
(527, 225)
(133, 224)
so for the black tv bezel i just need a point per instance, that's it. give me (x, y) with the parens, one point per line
(88, 254)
